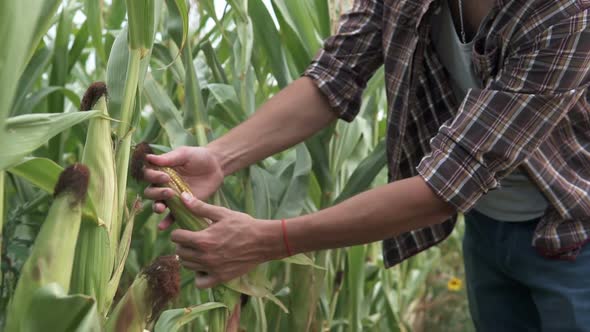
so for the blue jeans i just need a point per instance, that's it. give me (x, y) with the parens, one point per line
(512, 288)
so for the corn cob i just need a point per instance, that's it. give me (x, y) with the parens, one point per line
(183, 216)
(52, 255)
(98, 239)
(147, 296)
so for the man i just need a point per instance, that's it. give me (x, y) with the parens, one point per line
(488, 115)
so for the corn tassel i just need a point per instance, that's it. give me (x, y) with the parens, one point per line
(98, 238)
(147, 296)
(52, 255)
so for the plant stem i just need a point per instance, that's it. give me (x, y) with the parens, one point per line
(195, 114)
(124, 134)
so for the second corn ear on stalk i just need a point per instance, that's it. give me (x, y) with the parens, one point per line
(147, 296)
(98, 240)
(52, 254)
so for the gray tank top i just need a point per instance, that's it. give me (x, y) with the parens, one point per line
(517, 198)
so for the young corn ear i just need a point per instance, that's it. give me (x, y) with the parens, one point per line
(52, 255)
(183, 216)
(98, 239)
(147, 296)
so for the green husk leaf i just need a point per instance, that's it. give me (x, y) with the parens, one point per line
(28, 132)
(173, 320)
(52, 309)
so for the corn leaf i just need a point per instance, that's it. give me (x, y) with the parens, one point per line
(41, 172)
(32, 73)
(268, 41)
(261, 182)
(322, 19)
(173, 320)
(224, 105)
(214, 63)
(59, 74)
(365, 173)
(300, 53)
(46, 19)
(93, 11)
(290, 203)
(116, 73)
(163, 53)
(79, 44)
(257, 289)
(52, 309)
(178, 21)
(167, 114)
(16, 31)
(29, 104)
(116, 14)
(344, 143)
(26, 133)
(297, 14)
(122, 253)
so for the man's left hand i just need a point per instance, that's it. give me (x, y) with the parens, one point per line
(232, 246)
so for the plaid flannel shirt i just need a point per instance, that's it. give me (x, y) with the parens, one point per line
(533, 59)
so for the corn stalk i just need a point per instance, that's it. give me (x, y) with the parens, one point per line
(140, 39)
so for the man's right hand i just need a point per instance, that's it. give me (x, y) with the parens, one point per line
(198, 166)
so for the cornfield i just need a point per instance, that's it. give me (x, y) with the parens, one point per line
(85, 82)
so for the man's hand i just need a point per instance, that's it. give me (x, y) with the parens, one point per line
(198, 166)
(231, 247)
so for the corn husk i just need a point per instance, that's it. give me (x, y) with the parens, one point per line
(52, 254)
(98, 239)
(147, 296)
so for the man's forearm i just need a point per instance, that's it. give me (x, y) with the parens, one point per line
(371, 216)
(294, 114)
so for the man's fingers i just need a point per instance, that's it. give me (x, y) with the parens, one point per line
(205, 281)
(202, 209)
(183, 237)
(159, 207)
(187, 254)
(153, 176)
(173, 158)
(194, 267)
(166, 222)
(158, 193)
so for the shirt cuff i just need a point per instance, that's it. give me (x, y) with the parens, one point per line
(338, 83)
(454, 174)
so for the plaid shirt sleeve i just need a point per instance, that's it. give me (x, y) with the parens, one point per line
(349, 58)
(497, 127)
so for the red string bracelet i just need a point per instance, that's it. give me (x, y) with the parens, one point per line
(285, 238)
